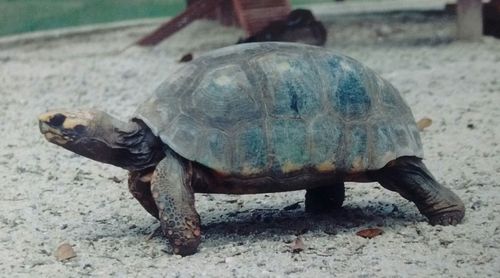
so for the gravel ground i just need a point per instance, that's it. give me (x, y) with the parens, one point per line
(51, 196)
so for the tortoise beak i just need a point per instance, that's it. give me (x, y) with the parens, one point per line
(51, 126)
(44, 127)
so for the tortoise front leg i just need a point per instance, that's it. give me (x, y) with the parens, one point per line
(326, 198)
(139, 184)
(171, 187)
(409, 177)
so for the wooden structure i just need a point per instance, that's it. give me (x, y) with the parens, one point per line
(469, 19)
(251, 15)
(475, 18)
(254, 15)
(491, 15)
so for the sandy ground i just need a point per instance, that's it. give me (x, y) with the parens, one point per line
(50, 196)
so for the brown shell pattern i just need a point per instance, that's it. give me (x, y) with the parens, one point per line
(259, 108)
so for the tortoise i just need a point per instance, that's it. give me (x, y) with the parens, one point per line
(259, 118)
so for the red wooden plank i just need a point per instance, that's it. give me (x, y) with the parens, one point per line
(194, 11)
(254, 15)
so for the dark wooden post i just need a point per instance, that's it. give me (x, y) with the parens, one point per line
(195, 10)
(224, 12)
(469, 19)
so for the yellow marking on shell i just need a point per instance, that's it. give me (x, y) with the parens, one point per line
(283, 66)
(223, 80)
(222, 173)
(289, 167)
(70, 123)
(248, 170)
(357, 164)
(327, 166)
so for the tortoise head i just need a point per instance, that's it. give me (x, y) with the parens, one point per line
(99, 136)
(69, 129)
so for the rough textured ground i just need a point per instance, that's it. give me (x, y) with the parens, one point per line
(50, 196)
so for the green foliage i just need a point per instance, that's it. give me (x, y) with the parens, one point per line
(29, 15)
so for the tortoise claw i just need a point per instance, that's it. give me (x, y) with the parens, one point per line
(185, 247)
(447, 218)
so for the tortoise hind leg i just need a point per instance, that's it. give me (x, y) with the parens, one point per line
(139, 184)
(326, 198)
(411, 179)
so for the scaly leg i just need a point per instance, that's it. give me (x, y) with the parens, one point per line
(409, 177)
(326, 198)
(172, 191)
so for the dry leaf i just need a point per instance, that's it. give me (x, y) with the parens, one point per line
(297, 245)
(64, 252)
(424, 123)
(370, 233)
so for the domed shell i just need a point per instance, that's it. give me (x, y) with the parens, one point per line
(277, 108)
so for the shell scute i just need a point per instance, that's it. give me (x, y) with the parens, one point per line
(288, 142)
(215, 150)
(326, 141)
(291, 86)
(251, 152)
(226, 97)
(348, 95)
(356, 159)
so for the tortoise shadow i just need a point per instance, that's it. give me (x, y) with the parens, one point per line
(259, 223)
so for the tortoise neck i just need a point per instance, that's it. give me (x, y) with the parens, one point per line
(129, 145)
(135, 147)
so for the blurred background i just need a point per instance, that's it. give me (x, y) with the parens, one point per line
(17, 16)
(21, 16)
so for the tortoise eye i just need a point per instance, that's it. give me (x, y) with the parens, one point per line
(79, 129)
(57, 120)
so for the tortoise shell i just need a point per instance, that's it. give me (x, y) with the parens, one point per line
(262, 108)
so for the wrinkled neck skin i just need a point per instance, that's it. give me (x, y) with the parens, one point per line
(131, 145)
(99, 136)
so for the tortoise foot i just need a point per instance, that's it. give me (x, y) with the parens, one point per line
(184, 239)
(186, 250)
(185, 246)
(325, 199)
(447, 218)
